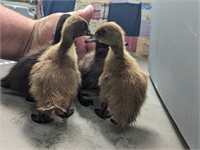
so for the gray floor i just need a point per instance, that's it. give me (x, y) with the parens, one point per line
(83, 130)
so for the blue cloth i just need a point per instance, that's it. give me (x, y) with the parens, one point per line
(127, 15)
(53, 6)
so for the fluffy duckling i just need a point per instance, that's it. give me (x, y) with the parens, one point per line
(17, 78)
(123, 84)
(91, 67)
(55, 78)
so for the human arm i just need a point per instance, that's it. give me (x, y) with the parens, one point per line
(20, 35)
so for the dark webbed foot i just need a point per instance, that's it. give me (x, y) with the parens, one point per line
(114, 121)
(98, 112)
(29, 98)
(103, 112)
(5, 83)
(84, 102)
(107, 114)
(104, 115)
(67, 114)
(41, 118)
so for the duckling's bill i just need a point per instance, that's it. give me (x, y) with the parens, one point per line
(89, 33)
(92, 38)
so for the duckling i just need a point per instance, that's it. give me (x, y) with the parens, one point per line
(17, 78)
(91, 67)
(55, 78)
(123, 84)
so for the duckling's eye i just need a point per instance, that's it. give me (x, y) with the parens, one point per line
(84, 25)
(103, 31)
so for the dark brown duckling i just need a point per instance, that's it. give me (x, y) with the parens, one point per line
(91, 67)
(18, 77)
(55, 78)
(123, 84)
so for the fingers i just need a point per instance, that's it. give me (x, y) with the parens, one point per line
(90, 46)
(86, 13)
(45, 29)
(82, 47)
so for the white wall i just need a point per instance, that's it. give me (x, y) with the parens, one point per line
(174, 60)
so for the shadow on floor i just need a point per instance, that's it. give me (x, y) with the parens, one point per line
(46, 135)
(14, 100)
(130, 138)
(40, 135)
(60, 131)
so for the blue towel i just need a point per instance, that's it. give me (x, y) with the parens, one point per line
(53, 6)
(127, 15)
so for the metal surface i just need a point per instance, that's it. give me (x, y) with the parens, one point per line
(24, 8)
(174, 63)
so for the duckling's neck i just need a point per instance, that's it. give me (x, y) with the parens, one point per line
(118, 51)
(101, 51)
(65, 45)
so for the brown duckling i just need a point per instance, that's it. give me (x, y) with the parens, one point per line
(123, 84)
(18, 77)
(91, 67)
(55, 78)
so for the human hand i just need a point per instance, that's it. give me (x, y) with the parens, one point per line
(20, 35)
(45, 29)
